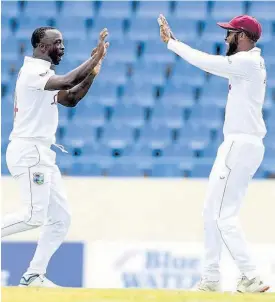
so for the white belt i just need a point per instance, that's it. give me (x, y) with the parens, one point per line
(60, 147)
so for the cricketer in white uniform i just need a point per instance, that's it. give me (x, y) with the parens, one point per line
(242, 151)
(29, 156)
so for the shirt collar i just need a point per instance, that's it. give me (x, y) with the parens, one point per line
(37, 61)
(256, 50)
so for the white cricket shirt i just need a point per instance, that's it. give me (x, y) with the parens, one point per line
(247, 84)
(35, 109)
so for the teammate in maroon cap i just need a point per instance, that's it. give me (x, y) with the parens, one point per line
(242, 151)
(242, 27)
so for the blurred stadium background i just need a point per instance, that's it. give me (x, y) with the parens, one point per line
(147, 114)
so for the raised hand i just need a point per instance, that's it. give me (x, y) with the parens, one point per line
(165, 31)
(101, 42)
(96, 70)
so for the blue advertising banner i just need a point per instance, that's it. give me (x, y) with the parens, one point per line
(65, 268)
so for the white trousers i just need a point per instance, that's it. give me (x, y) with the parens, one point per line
(44, 200)
(237, 160)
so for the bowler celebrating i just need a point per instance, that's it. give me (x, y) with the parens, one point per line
(29, 156)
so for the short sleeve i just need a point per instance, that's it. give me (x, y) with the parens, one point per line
(38, 80)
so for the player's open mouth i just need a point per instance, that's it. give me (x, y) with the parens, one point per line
(60, 56)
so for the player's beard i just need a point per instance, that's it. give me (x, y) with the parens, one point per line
(233, 46)
(54, 55)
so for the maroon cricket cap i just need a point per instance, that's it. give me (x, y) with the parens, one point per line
(245, 23)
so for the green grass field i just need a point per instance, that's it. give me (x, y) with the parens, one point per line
(16, 294)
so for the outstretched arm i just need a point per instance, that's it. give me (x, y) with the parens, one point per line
(71, 97)
(81, 73)
(219, 65)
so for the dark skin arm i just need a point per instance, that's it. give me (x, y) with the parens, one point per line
(71, 97)
(80, 74)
